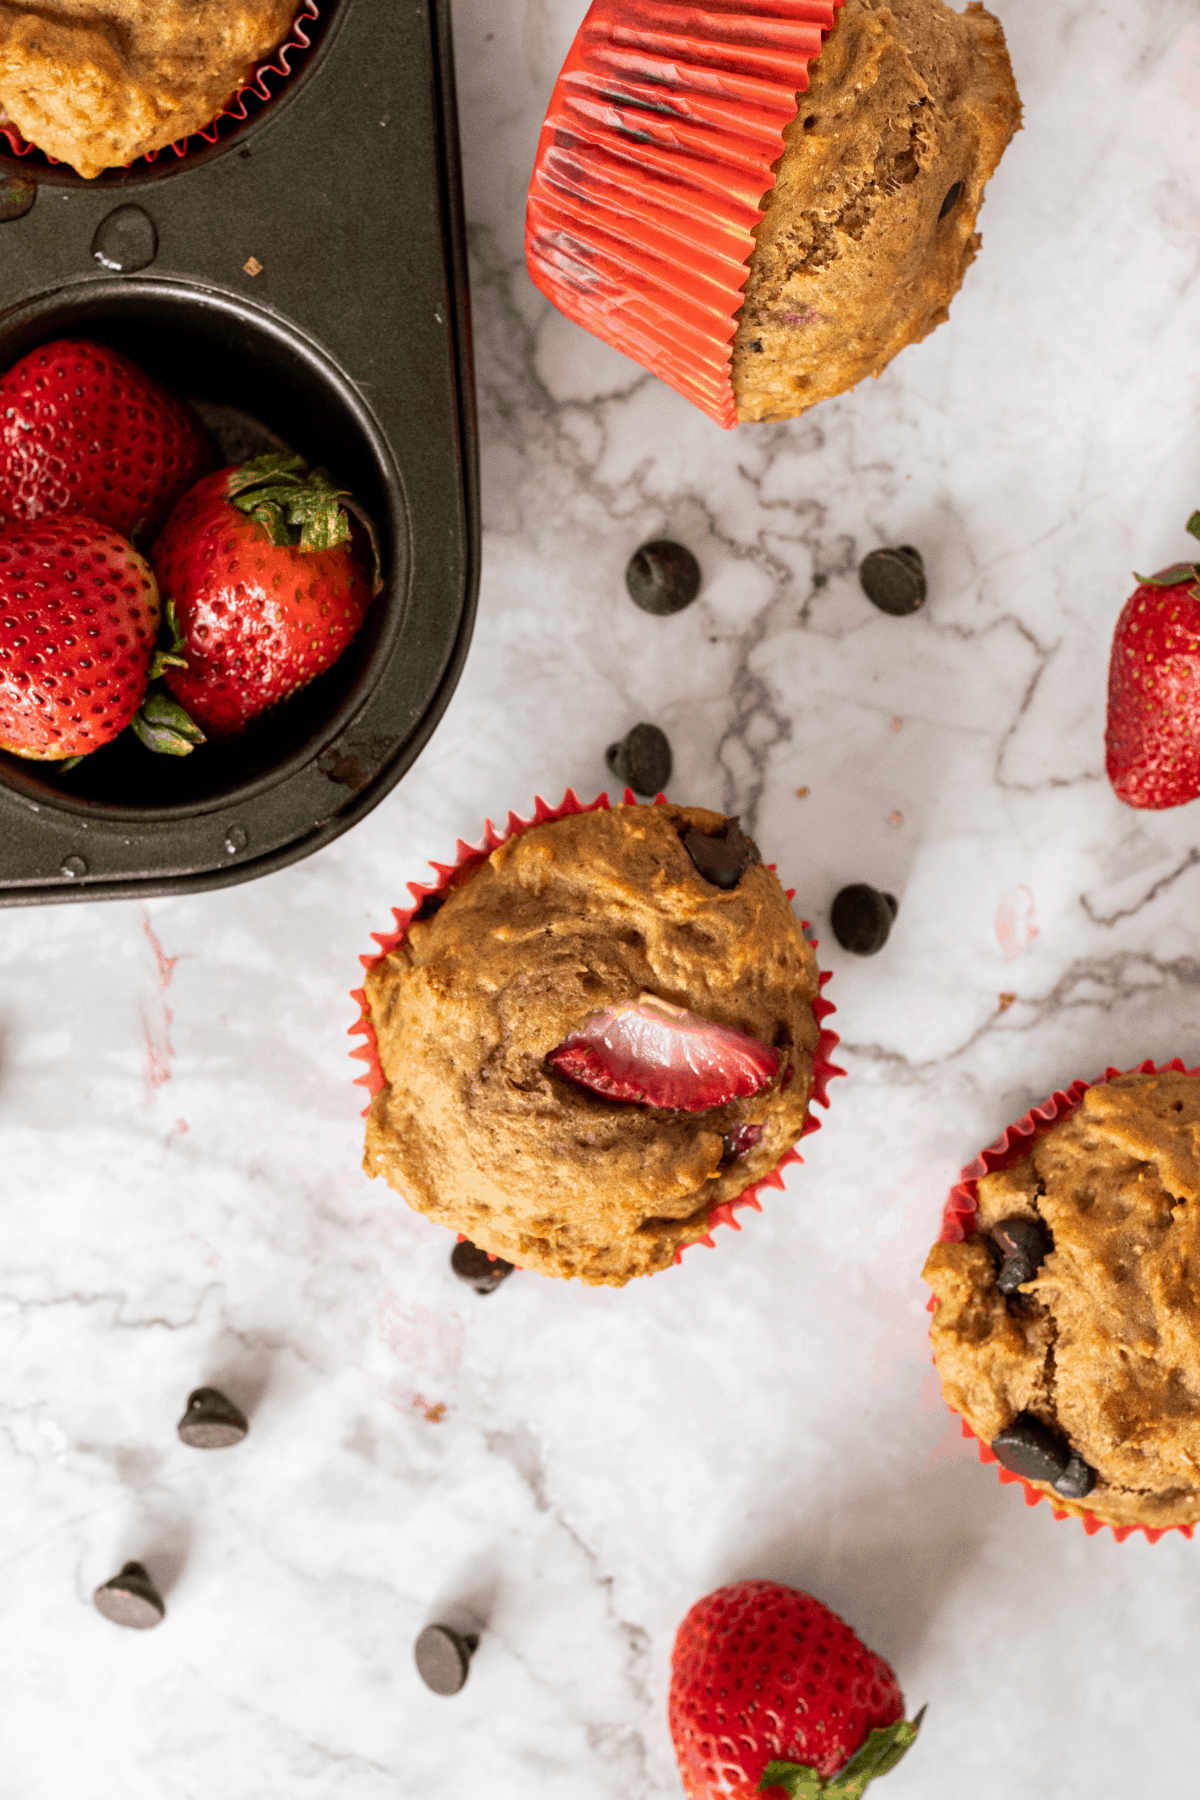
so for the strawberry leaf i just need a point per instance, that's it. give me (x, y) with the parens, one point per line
(1193, 524)
(169, 655)
(1172, 577)
(879, 1754)
(296, 507)
(162, 725)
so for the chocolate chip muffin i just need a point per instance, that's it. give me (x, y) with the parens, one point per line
(605, 1032)
(870, 227)
(1067, 1329)
(96, 83)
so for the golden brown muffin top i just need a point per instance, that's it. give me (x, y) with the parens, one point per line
(907, 101)
(1104, 1343)
(96, 83)
(476, 1130)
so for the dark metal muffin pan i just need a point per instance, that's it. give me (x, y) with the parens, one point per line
(351, 344)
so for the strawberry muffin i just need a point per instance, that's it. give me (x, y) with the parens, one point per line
(1067, 1324)
(96, 83)
(604, 1033)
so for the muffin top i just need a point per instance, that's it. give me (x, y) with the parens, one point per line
(477, 1129)
(1102, 1345)
(96, 83)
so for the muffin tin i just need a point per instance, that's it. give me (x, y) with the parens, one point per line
(302, 279)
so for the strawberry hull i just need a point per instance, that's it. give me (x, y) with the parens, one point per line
(263, 346)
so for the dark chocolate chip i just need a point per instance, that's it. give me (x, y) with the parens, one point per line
(739, 1141)
(483, 1272)
(862, 918)
(757, 345)
(212, 1421)
(662, 577)
(1077, 1479)
(642, 760)
(723, 857)
(953, 195)
(894, 580)
(1024, 1246)
(130, 1599)
(1032, 1450)
(443, 1658)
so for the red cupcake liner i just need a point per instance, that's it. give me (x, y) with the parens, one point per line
(234, 108)
(958, 1220)
(468, 858)
(659, 143)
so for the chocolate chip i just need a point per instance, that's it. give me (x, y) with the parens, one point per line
(212, 1422)
(1077, 1479)
(642, 760)
(1023, 1245)
(483, 1272)
(722, 857)
(130, 1599)
(862, 918)
(953, 196)
(739, 1141)
(894, 580)
(662, 577)
(1032, 1449)
(443, 1658)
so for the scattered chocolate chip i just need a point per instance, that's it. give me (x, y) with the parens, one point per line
(642, 760)
(662, 577)
(953, 195)
(739, 1141)
(484, 1272)
(1077, 1479)
(443, 1658)
(757, 345)
(1032, 1449)
(894, 580)
(862, 918)
(130, 1599)
(723, 857)
(212, 1422)
(1023, 1245)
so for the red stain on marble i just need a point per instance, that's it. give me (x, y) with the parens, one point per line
(1015, 922)
(428, 1343)
(157, 1016)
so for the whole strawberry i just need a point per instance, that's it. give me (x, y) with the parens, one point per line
(1153, 735)
(78, 616)
(83, 429)
(267, 586)
(772, 1693)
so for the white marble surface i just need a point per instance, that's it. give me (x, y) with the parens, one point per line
(180, 1139)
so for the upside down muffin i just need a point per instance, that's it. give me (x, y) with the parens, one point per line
(1067, 1326)
(493, 1015)
(96, 83)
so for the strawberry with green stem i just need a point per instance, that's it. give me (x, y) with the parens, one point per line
(1152, 738)
(771, 1693)
(270, 568)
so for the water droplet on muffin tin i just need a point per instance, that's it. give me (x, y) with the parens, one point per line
(862, 917)
(212, 1421)
(236, 839)
(125, 241)
(662, 577)
(443, 1658)
(642, 760)
(73, 867)
(17, 195)
(483, 1272)
(894, 580)
(130, 1599)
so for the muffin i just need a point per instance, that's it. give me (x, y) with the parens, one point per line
(1067, 1324)
(96, 83)
(759, 256)
(592, 1041)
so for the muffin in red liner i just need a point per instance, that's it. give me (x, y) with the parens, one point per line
(260, 87)
(755, 254)
(961, 1217)
(449, 876)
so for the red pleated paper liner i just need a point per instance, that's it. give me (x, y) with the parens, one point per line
(958, 1220)
(235, 108)
(451, 875)
(658, 146)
